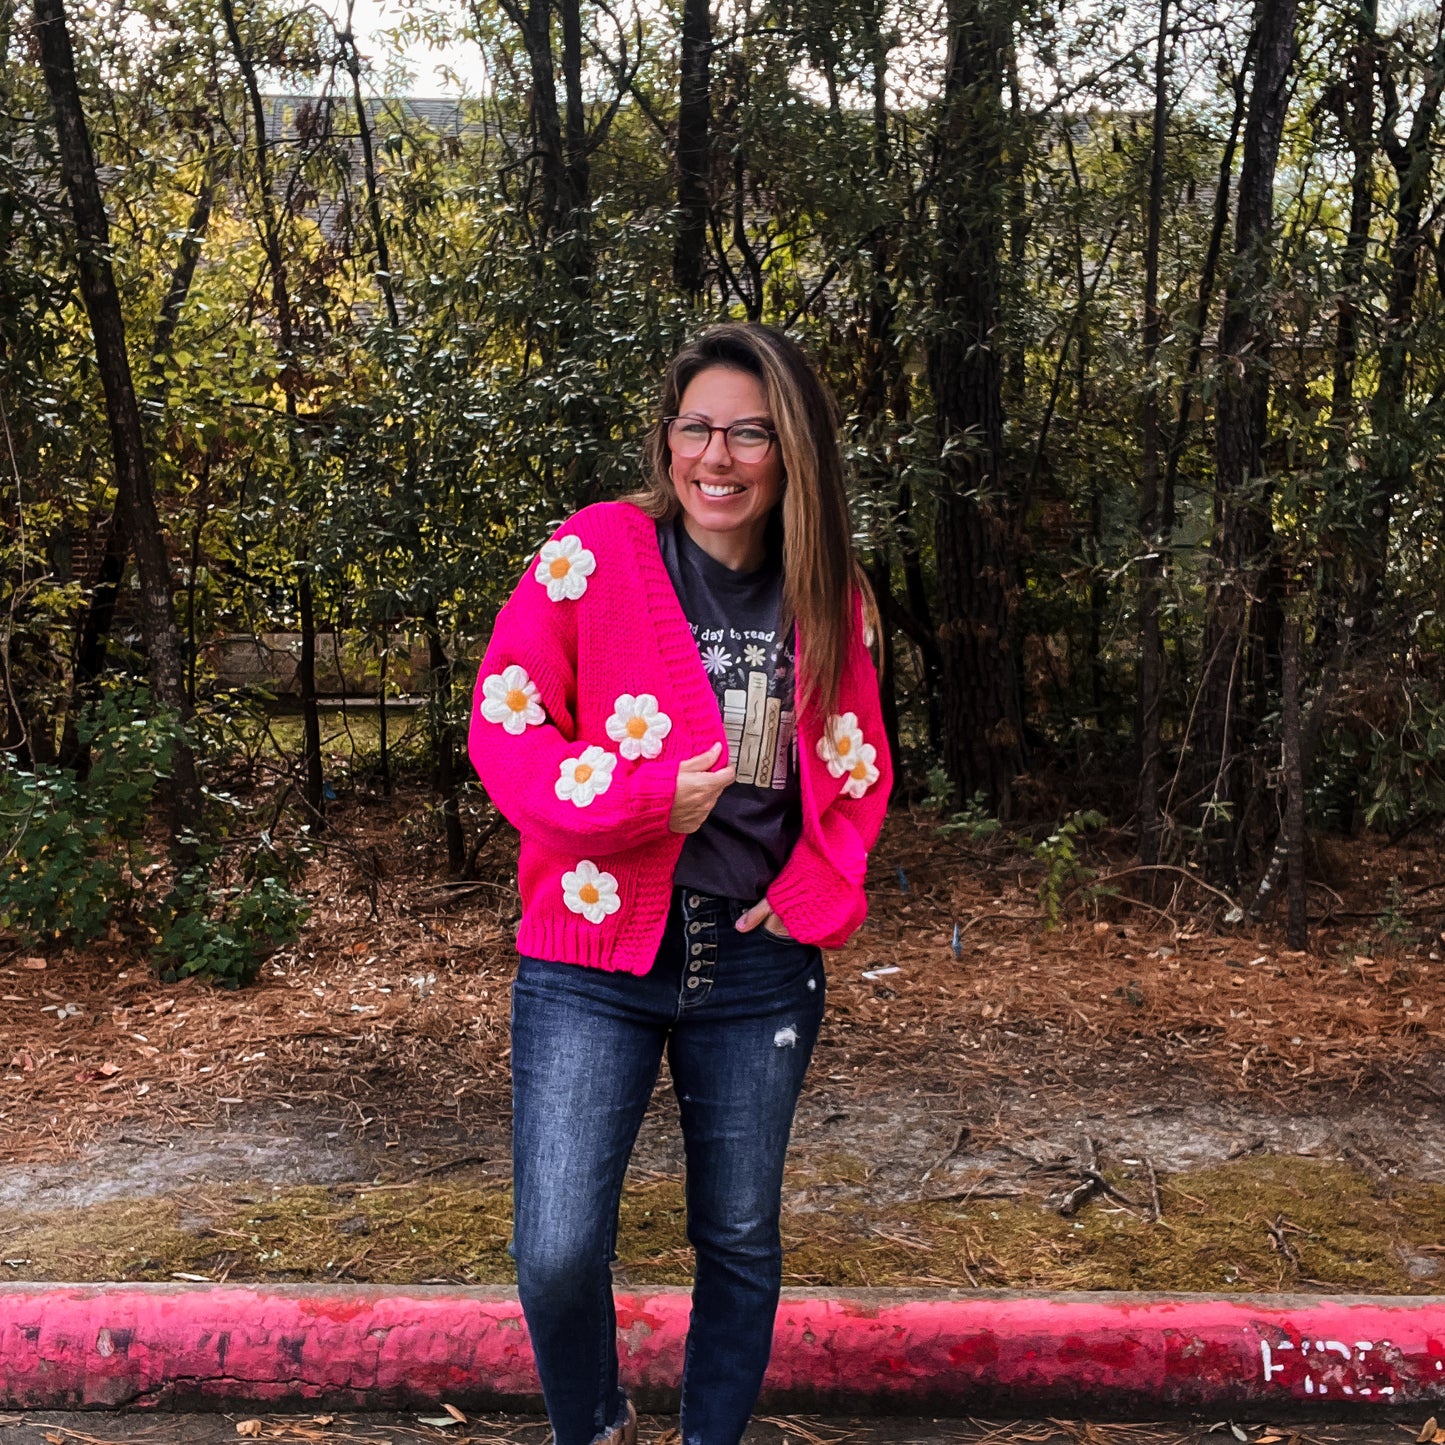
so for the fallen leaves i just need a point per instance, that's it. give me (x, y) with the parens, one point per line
(97, 1072)
(286, 1429)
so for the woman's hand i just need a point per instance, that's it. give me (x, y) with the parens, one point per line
(698, 789)
(762, 913)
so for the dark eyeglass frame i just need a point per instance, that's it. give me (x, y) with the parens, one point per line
(667, 421)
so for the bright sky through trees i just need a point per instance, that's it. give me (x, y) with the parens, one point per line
(431, 70)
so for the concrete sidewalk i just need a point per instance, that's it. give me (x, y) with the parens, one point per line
(948, 1353)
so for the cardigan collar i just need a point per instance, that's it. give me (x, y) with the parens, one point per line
(673, 631)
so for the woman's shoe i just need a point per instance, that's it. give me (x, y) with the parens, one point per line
(624, 1432)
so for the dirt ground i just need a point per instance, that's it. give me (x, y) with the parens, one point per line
(91, 1428)
(1225, 1113)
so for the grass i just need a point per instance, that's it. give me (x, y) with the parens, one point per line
(1266, 1223)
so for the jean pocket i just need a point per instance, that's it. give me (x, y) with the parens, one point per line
(784, 938)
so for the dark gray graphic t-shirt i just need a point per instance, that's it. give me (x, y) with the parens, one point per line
(735, 617)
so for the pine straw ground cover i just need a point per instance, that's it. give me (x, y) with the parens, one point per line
(390, 1022)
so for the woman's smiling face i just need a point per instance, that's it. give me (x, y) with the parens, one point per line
(727, 501)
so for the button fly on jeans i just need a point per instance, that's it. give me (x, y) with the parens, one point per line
(696, 949)
(694, 928)
(695, 966)
(693, 900)
(692, 983)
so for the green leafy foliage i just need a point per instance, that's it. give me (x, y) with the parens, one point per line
(1064, 868)
(1405, 753)
(225, 932)
(74, 852)
(76, 858)
(973, 820)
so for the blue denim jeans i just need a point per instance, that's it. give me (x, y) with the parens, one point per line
(738, 1014)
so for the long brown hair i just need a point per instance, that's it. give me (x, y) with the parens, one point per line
(819, 569)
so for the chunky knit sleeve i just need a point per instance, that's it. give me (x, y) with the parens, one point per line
(590, 795)
(819, 891)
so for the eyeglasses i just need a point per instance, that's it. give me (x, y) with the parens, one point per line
(746, 441)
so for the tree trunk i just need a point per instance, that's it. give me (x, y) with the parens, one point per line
(693, 120)
(135, 497)
(880, 577)
(576, 169)
(1294, 784)
(1233, 641)
(198, 527)
(313, 776)
(184, 274)
(93, 635)
(974, 537)
(535, 26)
(1013, 381)
(1152, 541)
(1357, 120)
(1311, 729)
(385, 281)
(924, 634)
(384, 750)
(1393, 452)
(1356, 115)
(1208, 273)
(546, 123)
(444, 773)
(313, 780)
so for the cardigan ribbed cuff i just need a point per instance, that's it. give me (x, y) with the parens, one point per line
(649, 802)
(815, 903)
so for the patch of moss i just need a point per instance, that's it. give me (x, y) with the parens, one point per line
(1255, 1224)
(128, 1239)
(308, 1233)
(1260, 1223)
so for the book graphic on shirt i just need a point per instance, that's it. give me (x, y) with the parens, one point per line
(759, 733)
(748, 671)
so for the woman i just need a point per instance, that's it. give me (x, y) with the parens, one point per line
(678, 712)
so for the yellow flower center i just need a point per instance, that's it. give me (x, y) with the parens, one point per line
(637, 727)
(588, 893)
(517, 700)
(582, 772)
(560, 568)
(860, 770)
(845, 746)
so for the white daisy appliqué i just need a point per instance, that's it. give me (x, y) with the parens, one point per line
(510, 697)
(862, 775)
(583, 777)
(591, 892)
(840, 744)
(637, 727)
(563, 568)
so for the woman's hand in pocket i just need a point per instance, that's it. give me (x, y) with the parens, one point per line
(761, 914)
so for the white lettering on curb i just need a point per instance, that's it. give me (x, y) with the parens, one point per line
(1348, 1375)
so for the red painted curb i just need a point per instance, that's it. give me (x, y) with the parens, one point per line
(68, 1346)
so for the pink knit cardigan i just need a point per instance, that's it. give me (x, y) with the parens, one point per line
(590, 694)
